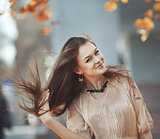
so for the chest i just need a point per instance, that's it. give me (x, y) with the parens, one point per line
(112, 105)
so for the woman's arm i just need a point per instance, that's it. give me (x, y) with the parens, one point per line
(144, 119)
(59, 128)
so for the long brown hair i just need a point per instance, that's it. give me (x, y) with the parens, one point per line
(63, 82)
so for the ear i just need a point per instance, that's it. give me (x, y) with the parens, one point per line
(77, 70)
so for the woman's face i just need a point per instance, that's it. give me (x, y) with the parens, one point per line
(90, 61)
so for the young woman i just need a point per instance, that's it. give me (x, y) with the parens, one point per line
(101, 102)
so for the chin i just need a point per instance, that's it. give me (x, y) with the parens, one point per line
(101, 72)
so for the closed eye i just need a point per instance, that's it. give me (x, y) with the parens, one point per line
(97, 51)
(88, 59)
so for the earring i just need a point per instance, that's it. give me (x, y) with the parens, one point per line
(80, 78)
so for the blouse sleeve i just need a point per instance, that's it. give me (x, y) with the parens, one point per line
(76, 123)
(144, 119)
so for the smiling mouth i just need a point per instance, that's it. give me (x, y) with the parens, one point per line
(100, 65)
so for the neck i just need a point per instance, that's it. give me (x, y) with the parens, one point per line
(95, 82)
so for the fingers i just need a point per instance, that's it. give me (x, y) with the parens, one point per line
(46, 94)
(45, 107)
(47, 91)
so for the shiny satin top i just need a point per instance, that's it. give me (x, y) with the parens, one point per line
(117, 113)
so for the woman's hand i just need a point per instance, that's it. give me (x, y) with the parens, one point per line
(47, 116)
(56, 126)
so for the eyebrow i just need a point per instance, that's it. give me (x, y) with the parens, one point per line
(90, 55)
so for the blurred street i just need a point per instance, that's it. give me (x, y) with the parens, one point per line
(30, 132)
(38, 131)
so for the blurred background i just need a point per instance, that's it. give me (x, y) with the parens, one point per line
(21, 41)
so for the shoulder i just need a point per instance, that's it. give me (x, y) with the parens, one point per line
(122, 83)
(118, 80)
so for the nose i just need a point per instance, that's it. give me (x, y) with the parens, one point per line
(97, 59)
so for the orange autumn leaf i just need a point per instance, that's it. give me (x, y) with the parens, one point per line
(33, 3)
(156, 6)
(147, 1)
(33, 10)
(124, 1)
(139, 23)
(115, 1)
(144, 37)
(44, 15)
(144, 34)
(42, 3)
(32, 7)
(144, 23)
(149, 24)
(110, 5)
(29, 9)
(1, 13)
(46, 31)
(13, 2)
(24, 9)
(149, 13)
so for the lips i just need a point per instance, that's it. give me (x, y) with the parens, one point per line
(100, 65)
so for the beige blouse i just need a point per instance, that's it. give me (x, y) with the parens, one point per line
(117, 113)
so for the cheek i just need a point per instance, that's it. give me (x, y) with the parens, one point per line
(101, 57)
(83, 67)
(89, 66)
